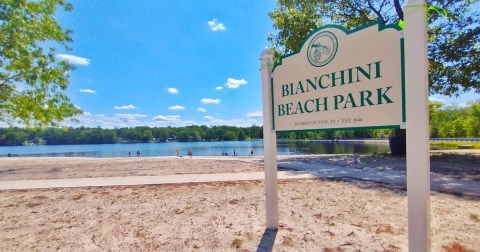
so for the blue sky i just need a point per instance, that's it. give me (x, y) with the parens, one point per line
(170, 63)
(167, 63)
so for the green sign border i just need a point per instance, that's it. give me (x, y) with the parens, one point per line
(381, 27)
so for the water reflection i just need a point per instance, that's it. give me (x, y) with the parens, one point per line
(331, 147)
(242, 148)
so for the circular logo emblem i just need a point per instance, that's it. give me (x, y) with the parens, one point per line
(322, 48)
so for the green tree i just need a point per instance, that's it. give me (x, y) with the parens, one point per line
(454, 121)
(453, 41)
(473, 120)
(241, 135)
(161, 134)
(146, 135)
(32, 79)
(229, 136)
(53, 136)
(435, 115)
(13, 137)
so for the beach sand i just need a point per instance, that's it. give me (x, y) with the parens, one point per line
(315, 214)
(25, 168)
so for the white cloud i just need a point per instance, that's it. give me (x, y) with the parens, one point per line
(121, 120)
(72, 59)
(189, 123)
(89, 91)
(172, 90)
(85, 113)
(176, 107)
(233, 83)
(211, 121)
(256, 114)
(219, 88)
(216, 26)
(125, 107)
(464, 105)
(215, 121)
(434, 99)
(129, 116)
(210, 101)
(209, 118)
(170, 118)
(134, 120)
(201, 110)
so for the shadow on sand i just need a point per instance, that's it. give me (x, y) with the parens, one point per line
(267, 241)
(456, 175)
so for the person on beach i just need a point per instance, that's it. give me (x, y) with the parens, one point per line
(129, 153)
(251, 152)
(178, 152)
(190, 152)
(138, 153)
(234, 152)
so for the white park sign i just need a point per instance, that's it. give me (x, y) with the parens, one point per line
(351, 80)
(336, 73)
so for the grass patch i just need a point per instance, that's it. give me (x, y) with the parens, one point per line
(33, 204)
(329, 222)
(234, 201)
(78, 196)
(40, 197)
(237, 243)
(452, 145)
(338, 249)
(474, 217)
(178, 211)
(248, 235)
(287, 242)
(456, 247)
(384, 229)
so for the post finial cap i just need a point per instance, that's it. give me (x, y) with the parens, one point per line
(266, 53)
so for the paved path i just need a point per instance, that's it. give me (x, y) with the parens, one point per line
(299, 170)
(145, 180)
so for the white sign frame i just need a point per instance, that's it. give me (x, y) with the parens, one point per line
(416, 110)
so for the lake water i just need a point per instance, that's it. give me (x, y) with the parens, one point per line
(242, 148)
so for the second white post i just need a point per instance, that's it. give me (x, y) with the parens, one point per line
(269, 142)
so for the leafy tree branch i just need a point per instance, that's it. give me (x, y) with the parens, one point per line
(32, 79)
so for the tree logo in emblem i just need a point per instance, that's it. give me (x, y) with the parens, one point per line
(322, 49)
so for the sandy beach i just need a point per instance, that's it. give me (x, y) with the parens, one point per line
(79, 167)
(315, 214)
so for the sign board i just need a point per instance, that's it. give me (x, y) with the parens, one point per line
(349, 80)
(341, 80)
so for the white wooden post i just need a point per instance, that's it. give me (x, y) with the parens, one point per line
(269, 142)
(418, 148)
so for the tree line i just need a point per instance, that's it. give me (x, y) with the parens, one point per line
(143, 134)
(445, 122)
(451, 121)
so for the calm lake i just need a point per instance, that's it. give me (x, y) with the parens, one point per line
(241, 148)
